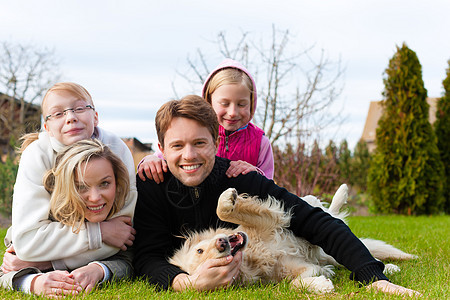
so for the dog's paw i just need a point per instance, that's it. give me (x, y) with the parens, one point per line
(227, 200)
(319, 285)
(391, 269)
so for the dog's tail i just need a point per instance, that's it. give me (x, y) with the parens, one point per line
(339, 199)
(383, 251)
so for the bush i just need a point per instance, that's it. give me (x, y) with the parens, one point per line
(8, 172)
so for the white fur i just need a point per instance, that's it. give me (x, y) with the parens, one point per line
(273, 252)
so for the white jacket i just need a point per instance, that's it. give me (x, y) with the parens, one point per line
(34, 235)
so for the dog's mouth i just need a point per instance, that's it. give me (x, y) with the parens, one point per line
(237, 242)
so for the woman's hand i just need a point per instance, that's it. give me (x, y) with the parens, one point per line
(240, 167)
(212, 274)
(154, 167)
(55, 284)
(12, 263)
(88, 276)
(117, 232)
(390, 288)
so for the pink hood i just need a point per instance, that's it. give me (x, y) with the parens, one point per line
(229, 63)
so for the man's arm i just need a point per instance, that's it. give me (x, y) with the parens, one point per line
(318, 227)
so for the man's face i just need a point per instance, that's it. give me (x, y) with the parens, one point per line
(189, 150)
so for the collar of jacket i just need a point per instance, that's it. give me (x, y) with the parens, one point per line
(186, 197)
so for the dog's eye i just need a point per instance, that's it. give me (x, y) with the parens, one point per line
(200, 251)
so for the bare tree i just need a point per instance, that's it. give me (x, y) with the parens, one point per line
(26, 72)
(295, 88)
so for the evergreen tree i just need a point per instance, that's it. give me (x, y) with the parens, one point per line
(442, 129)
(406, 172)
(344, 162)
(360, 166)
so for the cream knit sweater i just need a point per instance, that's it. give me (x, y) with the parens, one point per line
(34, 235)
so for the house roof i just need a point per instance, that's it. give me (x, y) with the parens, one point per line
(374, 114)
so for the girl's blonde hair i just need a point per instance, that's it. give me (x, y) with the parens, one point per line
(66, 204)
(230, 76)
(70, 87)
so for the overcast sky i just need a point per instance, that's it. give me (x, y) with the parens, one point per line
(126, 53)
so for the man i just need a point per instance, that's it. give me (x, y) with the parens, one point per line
(187, 198)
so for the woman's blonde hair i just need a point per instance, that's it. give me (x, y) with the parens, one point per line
(66, 204)
(229, 76)
(70, 87)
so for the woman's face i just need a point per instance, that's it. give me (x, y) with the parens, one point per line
(98, 189)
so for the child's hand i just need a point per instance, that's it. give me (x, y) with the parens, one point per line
(12, 263)
(240, 167)
(154, 167)
(117, 232)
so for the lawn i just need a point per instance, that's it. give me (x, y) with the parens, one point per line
(427, 237)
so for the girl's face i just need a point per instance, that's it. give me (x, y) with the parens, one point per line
(98, 189)
(231, 102)
(71, 127)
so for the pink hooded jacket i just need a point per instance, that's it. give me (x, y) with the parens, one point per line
(249, 142)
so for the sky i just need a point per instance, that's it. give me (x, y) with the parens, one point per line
(127, 53)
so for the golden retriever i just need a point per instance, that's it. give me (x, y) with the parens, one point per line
(271, 251)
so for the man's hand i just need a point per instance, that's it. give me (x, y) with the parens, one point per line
(12, 263)
(212, 274)
(239, 167)
(154, 167)
(390, 288)
(117, 232)
(88, 276)
(55, 284)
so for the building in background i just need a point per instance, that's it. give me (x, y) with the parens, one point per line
(10, 122)
(374, 114)
(138, 149)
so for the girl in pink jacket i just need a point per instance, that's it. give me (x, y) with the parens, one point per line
(231, 91)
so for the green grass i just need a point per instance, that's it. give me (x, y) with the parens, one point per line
(424, 236)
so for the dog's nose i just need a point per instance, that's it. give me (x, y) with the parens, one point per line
(221, 244)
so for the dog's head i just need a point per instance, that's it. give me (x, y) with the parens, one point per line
(206, 245)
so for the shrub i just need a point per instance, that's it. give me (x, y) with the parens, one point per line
(8, 172)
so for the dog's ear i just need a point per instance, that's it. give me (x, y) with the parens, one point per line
(184, 237)
(187, 242)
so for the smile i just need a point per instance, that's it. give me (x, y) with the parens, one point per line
(191, 167)
(96, 208)
(74, 131)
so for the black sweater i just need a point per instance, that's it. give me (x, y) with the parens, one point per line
(167, 210)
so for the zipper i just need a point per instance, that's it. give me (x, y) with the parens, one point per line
(226, 143)
(198, 216)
